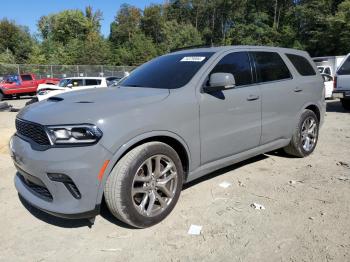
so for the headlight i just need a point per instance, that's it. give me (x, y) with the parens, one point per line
(43, 92)
(74, 134)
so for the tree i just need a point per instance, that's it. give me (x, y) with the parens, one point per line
(15, 41)
(138, 50)
(176, 35)
(126, 24)
(152, 21)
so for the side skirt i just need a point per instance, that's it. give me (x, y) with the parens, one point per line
(221, 163)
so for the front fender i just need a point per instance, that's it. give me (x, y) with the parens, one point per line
(129, 144)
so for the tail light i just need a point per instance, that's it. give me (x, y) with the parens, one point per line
(335, 82)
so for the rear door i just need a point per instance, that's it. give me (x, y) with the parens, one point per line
(279, 105)
(343, 75)
(230, 120)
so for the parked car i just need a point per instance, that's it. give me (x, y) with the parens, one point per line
(328, 85)
(24, 84)
(172, 120)
(328, 64)
(70, 84)
(342, 83)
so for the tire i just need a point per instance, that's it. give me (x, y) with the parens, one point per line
(1, 96)
(345, 103)
(296, 146)
(123, 188)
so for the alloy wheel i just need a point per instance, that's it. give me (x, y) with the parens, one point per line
(154, 185)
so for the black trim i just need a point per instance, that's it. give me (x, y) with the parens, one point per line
(87, 214)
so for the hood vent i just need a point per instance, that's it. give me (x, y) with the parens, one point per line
(55, 99)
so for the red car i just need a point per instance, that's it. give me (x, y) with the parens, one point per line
(24, 84)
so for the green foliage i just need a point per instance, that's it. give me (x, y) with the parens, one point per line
(15, 39)
(321, 27)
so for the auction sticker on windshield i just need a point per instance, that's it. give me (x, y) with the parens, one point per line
(192, 59)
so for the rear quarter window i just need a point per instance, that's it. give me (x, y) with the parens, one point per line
(92, 82)
(270, 67)
(301, 64)
(345, 67)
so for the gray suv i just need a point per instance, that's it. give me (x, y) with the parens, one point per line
(174, 119)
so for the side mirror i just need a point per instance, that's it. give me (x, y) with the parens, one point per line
(70, 85)
(219, 82)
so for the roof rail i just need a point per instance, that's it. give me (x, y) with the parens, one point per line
(188, 47)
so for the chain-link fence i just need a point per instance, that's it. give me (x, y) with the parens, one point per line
(61, 71)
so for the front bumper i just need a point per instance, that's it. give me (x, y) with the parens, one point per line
(80, 164)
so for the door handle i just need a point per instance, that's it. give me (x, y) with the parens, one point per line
(298, 89)
(252, 97)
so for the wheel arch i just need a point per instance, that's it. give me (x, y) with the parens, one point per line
(314, 108)
(169, 138)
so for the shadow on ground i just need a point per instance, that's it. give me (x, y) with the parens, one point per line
(53, 220)
(335, 106)
(106, 214)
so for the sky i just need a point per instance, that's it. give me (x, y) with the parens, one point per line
(28, 12)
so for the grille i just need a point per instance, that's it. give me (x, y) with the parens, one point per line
(38, 190)
(33, 131)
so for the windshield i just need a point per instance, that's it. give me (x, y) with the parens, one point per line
(167, 72)
(64, 82)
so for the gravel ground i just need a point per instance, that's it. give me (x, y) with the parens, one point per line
(306, 216)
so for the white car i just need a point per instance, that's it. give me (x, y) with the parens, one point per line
(45, 91)
(328, 85)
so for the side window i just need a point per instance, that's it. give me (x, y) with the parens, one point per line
(77, 82)
(270, 67)
(26, 77)
(92, 82)
(345, 67)
(237, 64)
(303, 66)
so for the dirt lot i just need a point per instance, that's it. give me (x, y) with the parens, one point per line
(307, 215)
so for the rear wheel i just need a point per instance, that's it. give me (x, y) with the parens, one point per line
(345, 103)
(1, 96)
(305, 136)
(145, 185)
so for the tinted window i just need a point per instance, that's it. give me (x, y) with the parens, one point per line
(92, 82)
(302, 65)
(167, 72)
(26, 77)
(270, 67)
(238, 65)
(345, 68)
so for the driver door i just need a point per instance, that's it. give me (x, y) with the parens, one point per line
(230, 120)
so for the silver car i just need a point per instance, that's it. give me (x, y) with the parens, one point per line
(174, 119)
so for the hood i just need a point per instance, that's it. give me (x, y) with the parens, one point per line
(91, 105)
(50, 87)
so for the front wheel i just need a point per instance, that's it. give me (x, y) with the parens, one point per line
(305, 135)
(145, 185)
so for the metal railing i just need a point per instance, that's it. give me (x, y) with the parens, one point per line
(61, 71)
